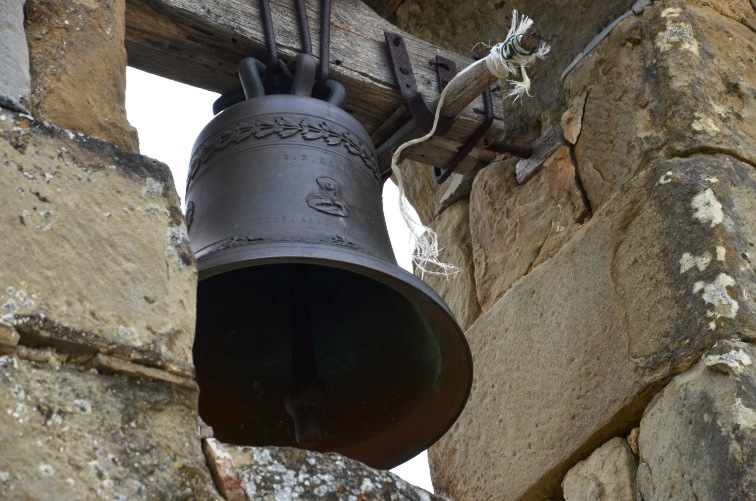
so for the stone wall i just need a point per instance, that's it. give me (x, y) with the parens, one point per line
(97, 293)
(608, 301)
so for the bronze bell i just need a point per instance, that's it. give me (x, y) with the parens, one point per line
(308, 333)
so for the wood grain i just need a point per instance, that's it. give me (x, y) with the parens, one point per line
(201, 43)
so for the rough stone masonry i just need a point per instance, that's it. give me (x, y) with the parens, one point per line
(97, 293)
(608, 280)
(609, 301)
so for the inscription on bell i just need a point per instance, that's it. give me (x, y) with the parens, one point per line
(326, 198)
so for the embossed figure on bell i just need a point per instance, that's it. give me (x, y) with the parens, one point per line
(308, 333)
(326, 199)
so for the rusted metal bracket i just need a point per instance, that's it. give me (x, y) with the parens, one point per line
(405, 77)
(446, 69)
(441, 175)
(543, 148)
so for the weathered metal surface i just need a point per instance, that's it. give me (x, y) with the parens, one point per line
(405, 77)
(442, 174)
(306, 326)
(542, 150)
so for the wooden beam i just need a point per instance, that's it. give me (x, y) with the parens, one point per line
(201, 43)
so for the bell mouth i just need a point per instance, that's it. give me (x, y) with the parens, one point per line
(308, 333)
(393, 368)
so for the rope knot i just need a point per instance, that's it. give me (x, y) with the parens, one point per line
(518, 51)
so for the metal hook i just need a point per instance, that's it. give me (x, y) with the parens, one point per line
(305, 67)
(250, 70)
(336, 93)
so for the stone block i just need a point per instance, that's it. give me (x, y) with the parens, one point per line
(698, 436)
(608, 474)
(273, 473)
(697, 96)
(632, 439)
(573, 352)
(70, 433)
(223, 470)
(14, 57)
(458, 291)
(78, 67)
(516, 227)
(99, 259)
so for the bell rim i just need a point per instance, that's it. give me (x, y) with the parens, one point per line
(371, 266)
(266, 253)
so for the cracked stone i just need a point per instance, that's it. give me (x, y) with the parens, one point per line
(634, 112)
(531, 222)
(223, 470)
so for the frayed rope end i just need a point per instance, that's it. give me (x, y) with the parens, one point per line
(423, 240)
(518, 51)
(508, 58)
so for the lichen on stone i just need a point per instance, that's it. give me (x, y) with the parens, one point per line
(291, 474)
(177, 246)
(716, 294)
(153, 188)
(689, 261)
(702, 123)
(707, 208)
(732, 362)
(677, 34)
(666, 178)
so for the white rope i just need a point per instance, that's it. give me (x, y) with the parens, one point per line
(423, 240)
(505, 59)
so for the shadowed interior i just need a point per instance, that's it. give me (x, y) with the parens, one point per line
(380, 357)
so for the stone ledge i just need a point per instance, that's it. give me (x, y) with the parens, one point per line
(271, 473)
(81, 434)
(100, 261)
(112, 365)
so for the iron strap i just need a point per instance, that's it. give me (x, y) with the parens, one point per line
(414, 101)
(441, 175)
(405, 78)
